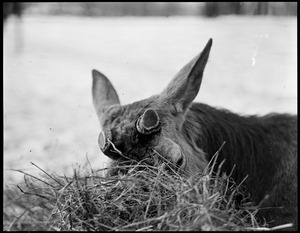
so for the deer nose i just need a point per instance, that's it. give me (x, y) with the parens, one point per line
(177, 159)
(171, 150)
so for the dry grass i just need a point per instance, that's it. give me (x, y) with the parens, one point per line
(136, 196)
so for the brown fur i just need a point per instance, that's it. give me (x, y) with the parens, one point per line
(262, 148)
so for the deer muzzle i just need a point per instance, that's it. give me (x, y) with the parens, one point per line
(148, 123)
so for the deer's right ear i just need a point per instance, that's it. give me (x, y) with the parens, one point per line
(183, 89)
(104, 94)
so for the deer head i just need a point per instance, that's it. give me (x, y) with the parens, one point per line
(153, 125)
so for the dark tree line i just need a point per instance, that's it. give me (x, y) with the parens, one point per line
(12, 8)
(213, 9)
(209, 9)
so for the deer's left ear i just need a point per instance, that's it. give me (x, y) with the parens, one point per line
(185, 86)
(104, 94)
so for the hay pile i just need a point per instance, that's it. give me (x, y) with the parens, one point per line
(142, 198)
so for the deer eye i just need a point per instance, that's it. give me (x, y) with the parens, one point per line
(117, 119)
(113, 117)
(115, 114)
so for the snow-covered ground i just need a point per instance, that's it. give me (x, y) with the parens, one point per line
(48, 113)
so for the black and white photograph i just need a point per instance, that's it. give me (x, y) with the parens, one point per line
(150, 116)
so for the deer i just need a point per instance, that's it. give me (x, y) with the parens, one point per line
(187, 134)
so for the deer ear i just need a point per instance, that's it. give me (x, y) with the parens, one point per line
(104, 94)
(185, 86)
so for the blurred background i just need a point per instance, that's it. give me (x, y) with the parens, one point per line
(51, 48)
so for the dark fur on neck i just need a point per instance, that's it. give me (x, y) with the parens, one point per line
(258, 146)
